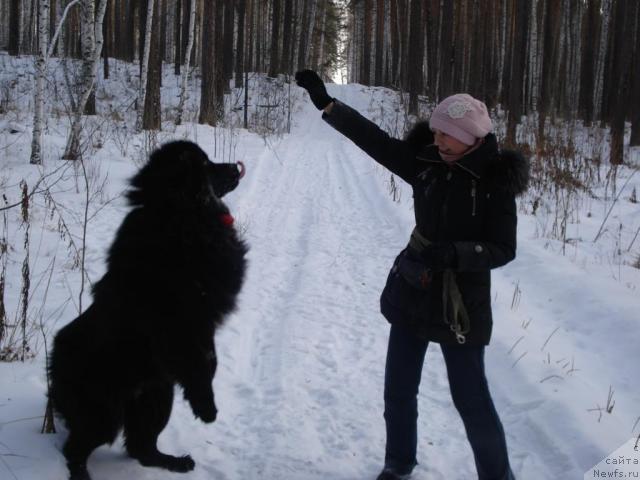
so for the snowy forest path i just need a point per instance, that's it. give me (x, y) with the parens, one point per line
(310, 342)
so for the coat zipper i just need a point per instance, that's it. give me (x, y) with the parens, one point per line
(473, 198)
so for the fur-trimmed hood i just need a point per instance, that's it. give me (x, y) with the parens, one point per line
(505, 168)
(419, 136)
(510, 169)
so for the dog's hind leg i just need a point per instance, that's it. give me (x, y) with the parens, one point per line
(145, 417)
(78, 447)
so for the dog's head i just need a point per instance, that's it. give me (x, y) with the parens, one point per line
(181, 172)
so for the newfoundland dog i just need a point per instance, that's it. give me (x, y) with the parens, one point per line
(174, 270)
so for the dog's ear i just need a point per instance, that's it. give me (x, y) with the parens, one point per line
(191, 180)
(174, 173)
(192, 157)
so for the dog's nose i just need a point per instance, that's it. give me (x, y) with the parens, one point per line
(242, 169)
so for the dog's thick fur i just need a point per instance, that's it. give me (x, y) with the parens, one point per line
(173, 273)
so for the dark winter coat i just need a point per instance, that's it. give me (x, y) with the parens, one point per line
(470, 202)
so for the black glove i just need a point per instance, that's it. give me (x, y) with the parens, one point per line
(312, 83)
(440, 256)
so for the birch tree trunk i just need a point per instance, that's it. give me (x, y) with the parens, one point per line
(184, 93)
(41, 69)
(91, 47)
(144, 66)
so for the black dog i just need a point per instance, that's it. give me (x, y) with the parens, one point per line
(173, 273)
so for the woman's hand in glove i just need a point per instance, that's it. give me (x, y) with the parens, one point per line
(312, 83)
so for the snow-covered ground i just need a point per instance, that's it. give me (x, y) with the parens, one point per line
(301, 362)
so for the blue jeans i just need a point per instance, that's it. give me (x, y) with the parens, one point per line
(470, 393)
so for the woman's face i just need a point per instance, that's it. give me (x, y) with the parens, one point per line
(448, 144)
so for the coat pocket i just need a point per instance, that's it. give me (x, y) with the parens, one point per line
(403, 300)
(413, 271)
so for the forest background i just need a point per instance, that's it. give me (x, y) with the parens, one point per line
(550, 60)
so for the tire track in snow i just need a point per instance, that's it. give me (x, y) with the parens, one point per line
(272, 233)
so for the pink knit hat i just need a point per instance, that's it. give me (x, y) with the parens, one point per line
(462, 117)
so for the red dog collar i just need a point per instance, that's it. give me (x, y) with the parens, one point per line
(227, 219)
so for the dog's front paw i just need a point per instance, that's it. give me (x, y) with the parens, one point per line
(207, 415)
(205, 411)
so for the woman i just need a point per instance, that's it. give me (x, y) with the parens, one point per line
(438, 290)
